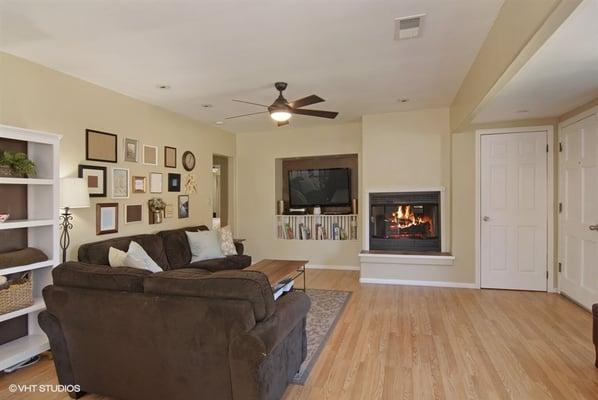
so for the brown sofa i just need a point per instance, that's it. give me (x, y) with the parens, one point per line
(169, 249)
(179, 334)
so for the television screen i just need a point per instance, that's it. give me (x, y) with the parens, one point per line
(320, 187)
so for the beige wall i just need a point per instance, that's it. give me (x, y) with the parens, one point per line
(257, 182)
(33, 96)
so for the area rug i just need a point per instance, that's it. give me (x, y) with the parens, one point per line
(326, 308)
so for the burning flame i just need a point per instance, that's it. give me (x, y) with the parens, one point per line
(404, 218)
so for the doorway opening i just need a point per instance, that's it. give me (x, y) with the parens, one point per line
(220, 191)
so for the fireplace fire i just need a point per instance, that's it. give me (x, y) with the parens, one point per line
(405, 221)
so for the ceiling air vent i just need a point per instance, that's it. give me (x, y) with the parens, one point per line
(408, 27)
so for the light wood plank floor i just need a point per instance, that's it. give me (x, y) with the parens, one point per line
(401, 342)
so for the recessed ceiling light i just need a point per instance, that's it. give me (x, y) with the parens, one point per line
(163, 87)
(403, 100)
(207, 105)
(219, 122)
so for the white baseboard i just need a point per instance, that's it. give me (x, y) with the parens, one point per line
(554, 290)
(462, 285)
(333, 267)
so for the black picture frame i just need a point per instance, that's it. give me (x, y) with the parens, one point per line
(183, 206)
(174, 182)
(104, 170)
(88, 133)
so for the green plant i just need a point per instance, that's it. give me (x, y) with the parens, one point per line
(18, 163)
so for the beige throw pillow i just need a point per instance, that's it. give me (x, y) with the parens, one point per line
(227, 244)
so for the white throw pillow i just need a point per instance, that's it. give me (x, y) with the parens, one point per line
(136, 257)
(227, 244)
(116, 257)
(205, 245)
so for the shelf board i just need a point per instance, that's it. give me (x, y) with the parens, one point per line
(28, 267)
(25, 223)
(38, 305)
(26, 181)
(21, 349)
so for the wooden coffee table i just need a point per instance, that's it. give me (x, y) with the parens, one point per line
(279, 270)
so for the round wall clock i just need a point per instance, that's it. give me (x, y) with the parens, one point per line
(188, 161)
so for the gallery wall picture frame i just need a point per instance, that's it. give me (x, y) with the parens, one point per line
(183, 206)
(139, 184)
(155, 182)
(133, 213)
(120, 183)
(106, 218)
(131, 150)
(169, 211)
(174, 182)
(170, 157)
(96, 178)
(101, 146)
(188, 161)
(150, 155)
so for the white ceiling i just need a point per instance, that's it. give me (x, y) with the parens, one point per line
(214, 51)
(561, 76)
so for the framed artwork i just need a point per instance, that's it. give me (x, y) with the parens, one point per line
(131, 152)
(184, 206)
(150, 155)
(169, 157)
(188, 161)
(169, 211)
(174, 182)
(139, 184)
(106, 218)
(133, 213)
(96, 179)
(120, 183)
(101, 146)
(155, 182)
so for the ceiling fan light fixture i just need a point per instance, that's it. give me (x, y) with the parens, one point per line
(280, 115)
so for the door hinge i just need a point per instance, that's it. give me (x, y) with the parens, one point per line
(546, 274)
(560, 267)
(560, 208)
(547, 148)
(560, 147)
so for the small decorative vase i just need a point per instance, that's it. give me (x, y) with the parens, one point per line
(157, 217)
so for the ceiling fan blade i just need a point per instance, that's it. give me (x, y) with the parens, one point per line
(249, 102)
(306, 101)
(316, 113)
(282, 123)
(246, 115)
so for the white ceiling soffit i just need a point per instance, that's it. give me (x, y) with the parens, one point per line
(210, 52)
(561, 76)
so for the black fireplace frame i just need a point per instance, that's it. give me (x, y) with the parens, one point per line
(433, 245)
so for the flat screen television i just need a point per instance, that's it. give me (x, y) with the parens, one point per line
(320, 187)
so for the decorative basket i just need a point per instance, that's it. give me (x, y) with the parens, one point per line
(17, 295)
(6, 171)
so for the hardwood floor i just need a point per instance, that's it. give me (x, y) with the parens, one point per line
(402, 342)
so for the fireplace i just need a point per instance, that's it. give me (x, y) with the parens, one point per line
(405, 221)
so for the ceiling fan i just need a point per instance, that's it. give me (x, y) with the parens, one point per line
(281, 110)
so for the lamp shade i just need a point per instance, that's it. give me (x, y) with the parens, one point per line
(74, 193)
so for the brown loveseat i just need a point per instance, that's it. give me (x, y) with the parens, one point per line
(184, 333)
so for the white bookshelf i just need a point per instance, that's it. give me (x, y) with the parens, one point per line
(42, 233)
(317, 227)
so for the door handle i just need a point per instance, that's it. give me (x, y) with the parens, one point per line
(594, 227)
(486, 218)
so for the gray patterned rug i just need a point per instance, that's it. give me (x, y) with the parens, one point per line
(326, 308)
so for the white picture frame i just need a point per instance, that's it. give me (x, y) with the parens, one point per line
(150, 155)
(155, 182)
(120, 183)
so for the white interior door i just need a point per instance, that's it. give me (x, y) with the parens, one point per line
(578, 229)
(514, 210)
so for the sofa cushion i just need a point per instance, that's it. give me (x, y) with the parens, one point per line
(99, 277)
(97, 252)
(251, 286)
(176, 245)
(222, 264)
(204, 245)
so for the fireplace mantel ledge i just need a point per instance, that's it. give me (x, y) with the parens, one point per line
(394, 258)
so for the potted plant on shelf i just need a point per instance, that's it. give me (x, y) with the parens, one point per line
(16, 165)
(157, 206)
